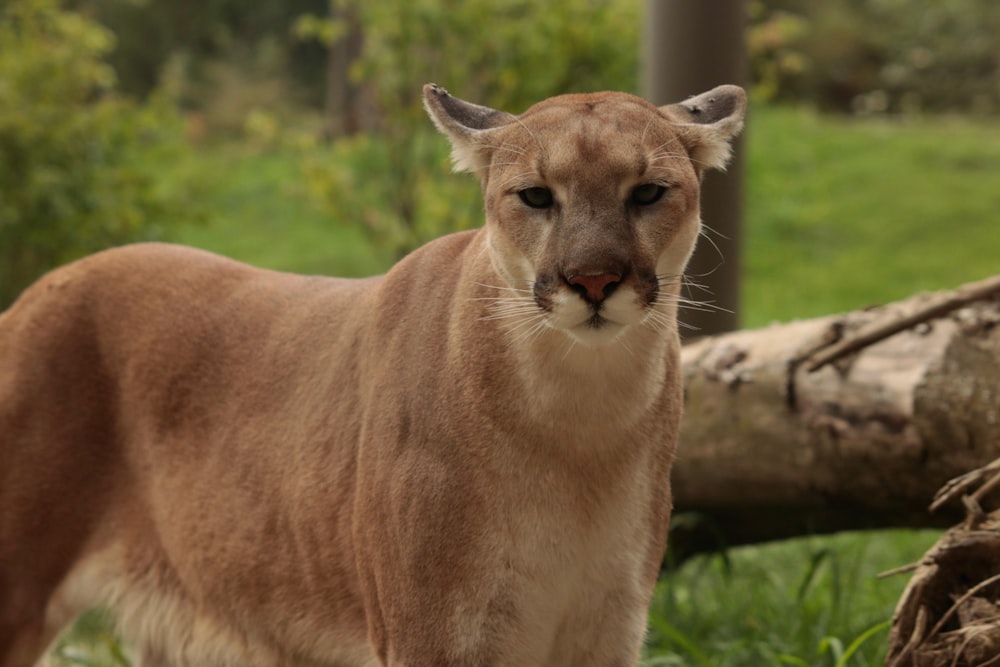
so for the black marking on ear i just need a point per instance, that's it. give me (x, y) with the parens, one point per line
(466, 114)
(711, 108)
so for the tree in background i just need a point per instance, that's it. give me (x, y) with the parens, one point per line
(856, 56)
(242, 69)
(842, 56)
(256, 69)
(77, 163)
(201, 34)
(877, 56)
(506, 55)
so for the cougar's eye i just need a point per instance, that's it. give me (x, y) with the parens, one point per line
(647, 194)
(536, 197)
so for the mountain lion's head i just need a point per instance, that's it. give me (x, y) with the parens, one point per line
(592, 200)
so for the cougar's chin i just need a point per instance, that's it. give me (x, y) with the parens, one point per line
(597, 332)
(595, 326)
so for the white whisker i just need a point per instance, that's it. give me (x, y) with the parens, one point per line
(569, 348)
(532, 135)
(649, 123)
(524, 175)
(627, 347)
(540, 323)
(507, 147)
(687, 282)
(718, 251)
(706, 228)
(684, 303)
(501, 287)
(520, 314)
(516, 307)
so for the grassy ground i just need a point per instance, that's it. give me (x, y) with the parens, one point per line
(840, 214)
(259, 211)
(810, 602)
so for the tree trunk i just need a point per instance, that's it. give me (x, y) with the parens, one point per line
(779, 439)
(345, 103)
(690, 47)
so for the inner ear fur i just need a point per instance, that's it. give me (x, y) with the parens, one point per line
(466, 125)
(708, 123)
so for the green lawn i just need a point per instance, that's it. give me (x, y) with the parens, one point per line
(259, 211)
(799, 602)
(840, 214)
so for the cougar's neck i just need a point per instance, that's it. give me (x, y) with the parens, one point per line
(542, 375)
(613, 386)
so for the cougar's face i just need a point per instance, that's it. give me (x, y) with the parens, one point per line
(592, 213)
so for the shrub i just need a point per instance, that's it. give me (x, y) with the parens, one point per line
(78, 164)
(877, 55)
(504, 54)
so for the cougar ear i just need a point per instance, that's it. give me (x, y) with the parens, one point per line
(708, 123)
(465, 124)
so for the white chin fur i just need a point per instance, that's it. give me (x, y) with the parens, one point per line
(574, 317)
(595, 337)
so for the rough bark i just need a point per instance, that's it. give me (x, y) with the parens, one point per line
(842, 422)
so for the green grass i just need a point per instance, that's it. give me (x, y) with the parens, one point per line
(840, 214)
(797, 602)
(259, 211)
(843, 213)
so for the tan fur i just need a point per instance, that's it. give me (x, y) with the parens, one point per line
(464, 462)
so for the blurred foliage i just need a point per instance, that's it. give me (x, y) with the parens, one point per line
(518, 55)
(505, 53)
(864, 56)
(218, 58)
(396, 188)
(868, 55)
(78, 164)
(91, 642)
(258, 71)
(153, 33)
(876, 56)
(262, 71)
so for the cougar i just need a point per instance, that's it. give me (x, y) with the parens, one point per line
(463, 462)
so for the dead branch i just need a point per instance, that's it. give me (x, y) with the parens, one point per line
(949, 301)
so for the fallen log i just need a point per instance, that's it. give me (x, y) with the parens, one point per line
(842, 422)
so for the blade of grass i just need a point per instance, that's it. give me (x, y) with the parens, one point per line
(678, 638)
(853, 647)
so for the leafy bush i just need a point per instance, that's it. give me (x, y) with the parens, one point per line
(78, 165)
(394, 188)
(877, 55)
(506, 54)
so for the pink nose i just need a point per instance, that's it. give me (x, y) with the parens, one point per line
(595, 288)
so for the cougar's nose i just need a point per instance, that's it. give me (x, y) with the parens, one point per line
(594, 288)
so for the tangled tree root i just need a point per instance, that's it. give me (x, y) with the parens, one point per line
(949, 614)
